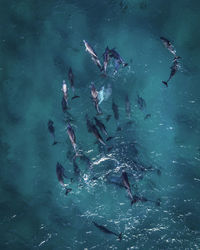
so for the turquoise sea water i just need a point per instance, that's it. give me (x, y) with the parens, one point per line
(39, 41)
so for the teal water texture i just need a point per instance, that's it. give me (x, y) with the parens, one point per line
(39, 41)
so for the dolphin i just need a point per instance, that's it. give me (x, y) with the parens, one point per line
(64, 104)
(89, 124)
(168, 45)
(116, 114)
(108, 117)
(101, 126)
(118, 59)
(106, 58)
(76, 168)
(93, 54)
(137, 198)
(105, 230)
(117, 180)
(141, 102)
(97, 134)
(128, 106)
(65, 91)
(90, 49)
(72, 137)
(60, 172)
(174, 68)
(147, 116)
(94, 94)
(86, 159)
(117, 64)
(97, 62)
(115, 111)
(71, 80)
(127, 185)
(52, 131)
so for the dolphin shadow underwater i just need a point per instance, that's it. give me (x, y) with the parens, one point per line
(107, 231)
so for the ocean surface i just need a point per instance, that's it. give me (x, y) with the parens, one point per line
(160, 152)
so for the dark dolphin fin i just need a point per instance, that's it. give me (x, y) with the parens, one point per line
(108, 117)
(95, 223)
(102, 68)
(165, 83)
(74, 97)
(158, 171)
(54, 143)
(104, 74)
(158, 202)
(67, 191)
(133, 201)
(129, 123)
(120, 236)
(119, 128)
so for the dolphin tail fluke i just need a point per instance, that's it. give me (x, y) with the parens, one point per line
(77, 154)
(120, 236)
(74, 97)
(95, 223)
(133, 201)
(158, 201)
(109, 149)
(102, 68)
(176, 58)
(109, 138)
(104, 74)
(165, 83)
(158, 171)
